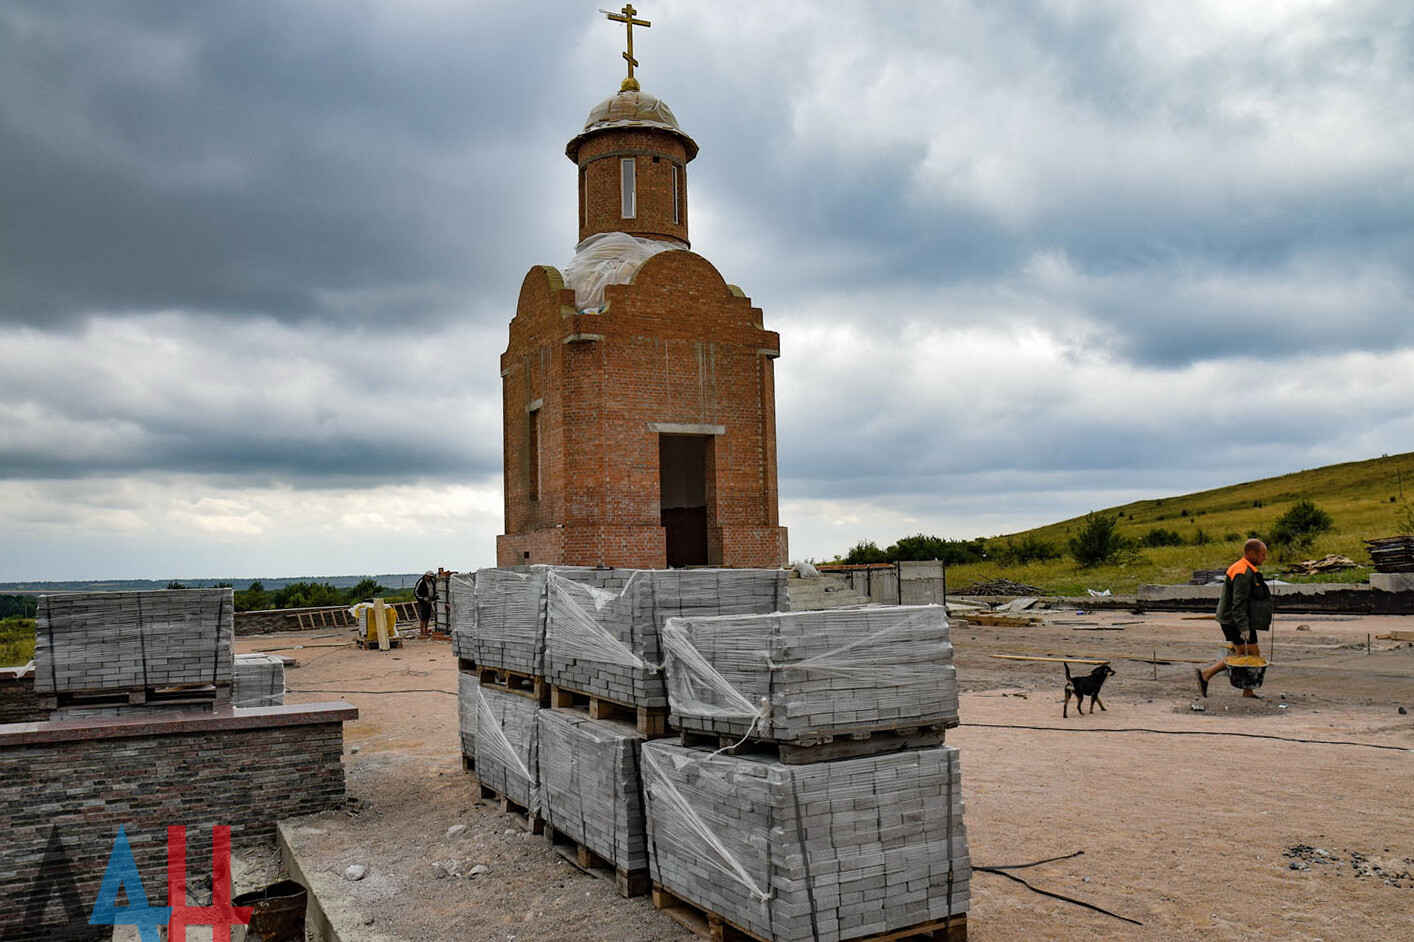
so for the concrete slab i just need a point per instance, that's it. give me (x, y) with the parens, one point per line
(1392, 581)
(330, 917)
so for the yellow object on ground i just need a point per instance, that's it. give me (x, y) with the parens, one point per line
(367, 630)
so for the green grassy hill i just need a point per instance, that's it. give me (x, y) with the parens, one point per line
(1366, 499)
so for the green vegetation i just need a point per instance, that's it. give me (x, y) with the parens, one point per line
(313, 595)
(23, 605)
(1363, 500)
(1298, 528)
(917, 548)
(16, 640)
(1099, 542)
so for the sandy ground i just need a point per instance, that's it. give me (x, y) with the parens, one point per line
(1287, 818)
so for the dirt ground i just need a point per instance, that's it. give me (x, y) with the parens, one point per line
(1287, 818)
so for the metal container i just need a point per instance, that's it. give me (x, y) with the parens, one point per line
(277, 913)
(1246, 678)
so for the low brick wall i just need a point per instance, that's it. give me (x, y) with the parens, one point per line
(67, 786)
(18, 701)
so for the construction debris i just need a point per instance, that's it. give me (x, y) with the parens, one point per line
(1328, 563)
(1001, 587)
(1392, 553)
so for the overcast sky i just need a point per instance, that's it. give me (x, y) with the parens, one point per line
(1026, 259)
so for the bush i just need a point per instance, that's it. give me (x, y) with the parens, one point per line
(1200, 538)
(1028, 549)
(921, 548)
(865, 551)
(1299, 526)
(1098, 542)
(1158, 536)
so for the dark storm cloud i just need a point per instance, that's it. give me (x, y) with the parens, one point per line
(264, 158)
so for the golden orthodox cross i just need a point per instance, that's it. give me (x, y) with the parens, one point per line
(630, 84)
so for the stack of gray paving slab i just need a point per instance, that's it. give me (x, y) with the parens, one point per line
(590, 789)
(607, 644)
(259, 681)
(803, 677)
(825, 851)
(510, 613)
(467, 686)
(461, 601)
(111, 641)
(506, 745)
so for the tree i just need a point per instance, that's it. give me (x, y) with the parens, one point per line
(253, 598)
(366, 589)
(176, 585)
(1098, 542)
(1299, 526)
(922, 548)
(865, 551)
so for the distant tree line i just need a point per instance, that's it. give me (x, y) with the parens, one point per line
(256, 598)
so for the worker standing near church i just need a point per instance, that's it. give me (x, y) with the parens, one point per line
(1244, 609)
(425, 592)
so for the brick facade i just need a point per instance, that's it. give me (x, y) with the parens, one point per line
(18, 701)
(589, 396)
(80, 780)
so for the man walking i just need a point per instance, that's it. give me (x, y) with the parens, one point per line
(1244, 609)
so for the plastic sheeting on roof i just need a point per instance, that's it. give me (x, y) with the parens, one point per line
(608, 258)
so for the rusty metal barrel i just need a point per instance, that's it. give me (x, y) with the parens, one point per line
(277, 912)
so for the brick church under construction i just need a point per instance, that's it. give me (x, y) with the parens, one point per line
(637, 385)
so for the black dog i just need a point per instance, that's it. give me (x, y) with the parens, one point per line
(1086, 685)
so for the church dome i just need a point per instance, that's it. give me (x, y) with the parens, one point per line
(631, 108)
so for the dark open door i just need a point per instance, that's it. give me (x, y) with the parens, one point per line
(682, 480)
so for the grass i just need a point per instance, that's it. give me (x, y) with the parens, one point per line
(1366, 499)
(16, 641)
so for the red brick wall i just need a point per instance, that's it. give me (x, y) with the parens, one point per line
(655, 153)
(677, 345)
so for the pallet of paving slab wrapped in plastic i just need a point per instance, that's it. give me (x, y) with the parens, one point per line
(97, 641)
(467, 708)
(461, 613)
(507, 749)
(834, 683)
(831, 851)
(606, 644)
(509, 610)
(259, 681)
(590, 794)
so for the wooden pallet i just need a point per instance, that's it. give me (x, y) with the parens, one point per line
(629, 882)
(524, 685)
(212, 696)
(466, 665)
(468, 763)
(368, 645)
(843, 745)
(652, 722)
(519, 813)
(709, 925)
